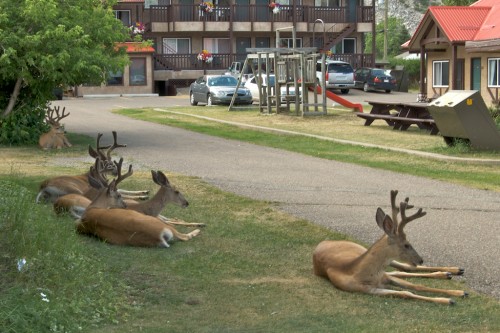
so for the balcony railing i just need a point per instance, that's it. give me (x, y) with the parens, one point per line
(223, 61)
(260, 13)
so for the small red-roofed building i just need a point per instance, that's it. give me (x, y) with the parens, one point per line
(459, 48)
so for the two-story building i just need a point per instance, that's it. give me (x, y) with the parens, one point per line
(182, 29)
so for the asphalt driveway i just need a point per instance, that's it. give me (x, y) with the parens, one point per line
(462, 225)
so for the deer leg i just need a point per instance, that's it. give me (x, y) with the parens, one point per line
(183, 237)
(434, 275)
(168, 221)
(409, 268)
(408, 285)
(410, 295)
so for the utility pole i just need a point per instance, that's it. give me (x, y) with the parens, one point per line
(386, 10)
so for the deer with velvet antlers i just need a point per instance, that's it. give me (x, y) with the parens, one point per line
(56, 137)
(352, 267)
(107, 218)
(53, 188)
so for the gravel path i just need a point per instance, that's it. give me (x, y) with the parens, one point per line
(462, 225)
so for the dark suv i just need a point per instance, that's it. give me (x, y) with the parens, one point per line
(374, 79)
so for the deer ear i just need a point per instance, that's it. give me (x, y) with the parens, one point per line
(93, 153)
(385, 223)
(162, 178)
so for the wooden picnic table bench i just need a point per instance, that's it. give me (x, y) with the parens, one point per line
(400, 116)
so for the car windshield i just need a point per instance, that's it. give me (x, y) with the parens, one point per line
(340, 68)
(222, 81)
(378, 72)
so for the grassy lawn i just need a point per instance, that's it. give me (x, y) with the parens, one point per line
(249, 270)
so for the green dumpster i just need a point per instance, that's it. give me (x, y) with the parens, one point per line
(463, 114)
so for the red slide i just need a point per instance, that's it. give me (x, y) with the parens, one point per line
(338, 99)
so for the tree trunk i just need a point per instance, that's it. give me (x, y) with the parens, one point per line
(13, 98)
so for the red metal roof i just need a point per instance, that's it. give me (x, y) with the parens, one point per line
(491, 25)
(459, 23)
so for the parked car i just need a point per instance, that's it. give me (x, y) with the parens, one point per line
(254, 88)
(339, 75)
(217, 89)
(374, 79)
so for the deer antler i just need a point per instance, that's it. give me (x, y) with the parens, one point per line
(121, 177)
(405, 219)
(115, 145)
(49, 115)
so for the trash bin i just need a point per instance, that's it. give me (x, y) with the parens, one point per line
(463, 114)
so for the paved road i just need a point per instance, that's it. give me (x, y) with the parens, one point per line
(462, 225)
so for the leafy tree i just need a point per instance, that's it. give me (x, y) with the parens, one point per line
(397, 34)
(458, 2)
(50, 43)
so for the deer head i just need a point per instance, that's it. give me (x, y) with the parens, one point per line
(104, 154)
(108, 196)
(399, 246)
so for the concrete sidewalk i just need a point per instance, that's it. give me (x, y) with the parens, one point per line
(462, 225)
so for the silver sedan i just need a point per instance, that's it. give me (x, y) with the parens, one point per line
(217, 89)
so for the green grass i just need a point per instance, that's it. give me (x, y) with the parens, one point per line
(483, 176)
(248, 271)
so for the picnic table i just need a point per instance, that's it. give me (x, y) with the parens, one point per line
(400, 116)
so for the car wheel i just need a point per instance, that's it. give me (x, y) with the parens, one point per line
(191, 99)
(388, 91)
(344, 91)
(366, 87)
(209, 100)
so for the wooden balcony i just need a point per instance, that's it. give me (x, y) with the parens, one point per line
(178, 62)
(178, 13)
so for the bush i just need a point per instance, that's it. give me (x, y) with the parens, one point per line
(411, 66)
(25, 123)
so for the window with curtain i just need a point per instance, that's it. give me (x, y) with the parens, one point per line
(494, 72)
(441, 73)
(176, 46)
(327, 3)
(137, 72)
(217, 45)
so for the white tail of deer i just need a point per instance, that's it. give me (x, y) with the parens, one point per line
(56, 137)
(122, 226)
(351, 267)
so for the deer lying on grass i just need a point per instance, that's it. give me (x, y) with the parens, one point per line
(56, 137)
(53, 188)
(351, 267)
(121, 226)
(76, 204)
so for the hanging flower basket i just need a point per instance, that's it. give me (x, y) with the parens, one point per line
(137, 28)
(205, 56)
(275, 7)
(207, 7)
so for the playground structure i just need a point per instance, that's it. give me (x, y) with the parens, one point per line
(291, 67)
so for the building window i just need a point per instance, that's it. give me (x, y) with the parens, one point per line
(494, 72)
(137, 70)
(441, 73)
(176, 46)
(124, 16)
(115, 79)
(288, 42)
(217, 45)
(327, 3)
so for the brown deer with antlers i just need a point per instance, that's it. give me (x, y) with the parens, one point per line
(121, 226)
(76, 204)
(351, 267)
(56, 137)
(53, 188)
